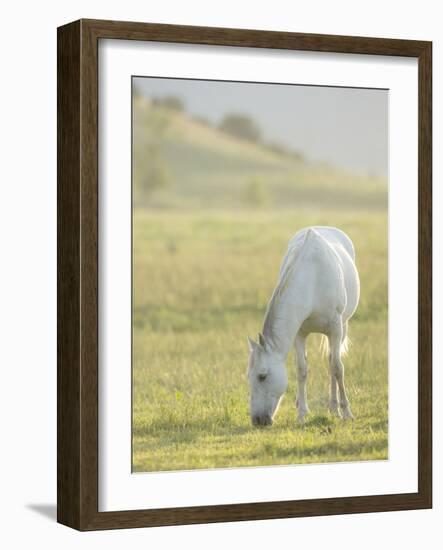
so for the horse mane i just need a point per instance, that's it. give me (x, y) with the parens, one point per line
(289, 264)
(270, 315)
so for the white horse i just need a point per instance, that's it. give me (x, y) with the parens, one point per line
(318, 291)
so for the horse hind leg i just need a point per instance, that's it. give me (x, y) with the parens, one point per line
(336, 338)
(333, 397)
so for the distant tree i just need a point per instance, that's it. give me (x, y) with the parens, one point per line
(278, 148)
(202, 120)
(241, 126)
(136, 91)
(170, 102)
(281, 149)
(151, 128)
(298, 156)
(256, 193)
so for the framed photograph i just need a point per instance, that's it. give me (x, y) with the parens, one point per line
(244, 275)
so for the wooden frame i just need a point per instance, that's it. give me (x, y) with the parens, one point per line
(77, 456)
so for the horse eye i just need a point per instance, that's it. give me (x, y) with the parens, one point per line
(262, 377)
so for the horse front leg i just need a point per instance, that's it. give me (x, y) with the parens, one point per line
(302, 377)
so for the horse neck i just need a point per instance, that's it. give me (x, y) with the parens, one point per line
(282, 321)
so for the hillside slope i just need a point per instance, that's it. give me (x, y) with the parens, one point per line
(182, 162)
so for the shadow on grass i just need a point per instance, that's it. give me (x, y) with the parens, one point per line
(320, 421)
(166, 433)
(381, 425)
(333, 450)
(207, 426)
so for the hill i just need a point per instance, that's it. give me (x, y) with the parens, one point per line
(182, 162)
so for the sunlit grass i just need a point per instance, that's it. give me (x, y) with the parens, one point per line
(201, 284)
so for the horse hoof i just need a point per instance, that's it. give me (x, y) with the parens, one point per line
(347, 415)
(335, 412)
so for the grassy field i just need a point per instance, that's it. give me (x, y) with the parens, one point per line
(201, 284)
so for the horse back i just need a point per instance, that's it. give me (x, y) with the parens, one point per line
(326, 256)
(333, 236)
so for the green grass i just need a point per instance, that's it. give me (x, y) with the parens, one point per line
(201, 285)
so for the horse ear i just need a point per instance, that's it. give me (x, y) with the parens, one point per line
(252, 344)
(261, 340)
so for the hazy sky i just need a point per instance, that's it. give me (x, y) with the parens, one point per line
(347, 127)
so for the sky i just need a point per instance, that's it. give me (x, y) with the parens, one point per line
(345, 127)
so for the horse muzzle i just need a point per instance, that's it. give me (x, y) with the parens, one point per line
(262, 420)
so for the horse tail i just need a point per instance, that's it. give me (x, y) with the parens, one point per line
(345, 345)
(324, 345)
(345, 342)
